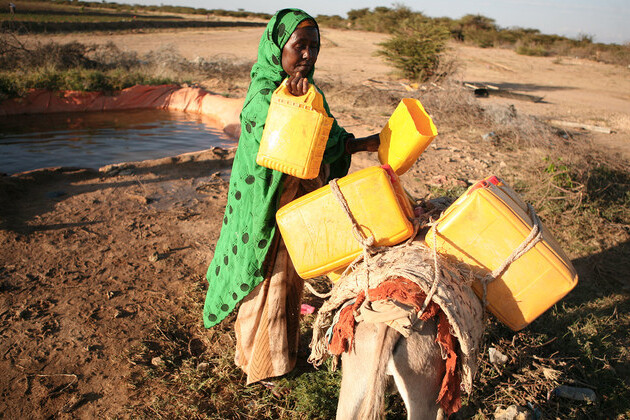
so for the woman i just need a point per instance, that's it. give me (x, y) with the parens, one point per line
(250, 262)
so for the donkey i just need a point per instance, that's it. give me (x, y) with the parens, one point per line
(379, 352)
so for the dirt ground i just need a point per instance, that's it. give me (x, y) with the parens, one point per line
(90, 261)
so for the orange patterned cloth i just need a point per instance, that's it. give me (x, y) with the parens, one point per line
(408, 293)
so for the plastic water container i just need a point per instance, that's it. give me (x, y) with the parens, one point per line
(482, 229)
(406, 201)
(318, 234)
(334, 276)
(295, 134)
(406, 135)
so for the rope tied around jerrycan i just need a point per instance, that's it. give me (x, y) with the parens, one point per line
(426, 220)
(437, 269)
(366, 242)
(535, 236)
(369, 249)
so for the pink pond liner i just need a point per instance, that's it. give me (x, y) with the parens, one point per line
(223, 111)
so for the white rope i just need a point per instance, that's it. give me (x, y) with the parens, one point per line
(535, 236)
(416, 229)
(437, 270)
(315, 292)
(366, 242)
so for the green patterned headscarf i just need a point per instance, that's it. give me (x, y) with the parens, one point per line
(249, 223)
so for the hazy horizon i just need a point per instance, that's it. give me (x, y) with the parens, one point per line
(605, 21)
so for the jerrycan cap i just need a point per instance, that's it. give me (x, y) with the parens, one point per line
(390, 172)
(493, 179)
(485, 183)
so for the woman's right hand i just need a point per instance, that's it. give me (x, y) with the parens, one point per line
(364, 144)
(297, 85)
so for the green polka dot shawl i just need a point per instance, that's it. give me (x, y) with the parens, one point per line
(249, 224)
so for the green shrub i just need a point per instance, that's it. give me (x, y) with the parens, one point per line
(481, 38)
(477, 22)
(415, 47)
(532, 50)
(8, 89)
(506, 37)
(334, 21)
(382, 19)
(16, 83)
(46, 78)
(86, 80)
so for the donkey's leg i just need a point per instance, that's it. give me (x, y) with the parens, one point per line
(418, 369)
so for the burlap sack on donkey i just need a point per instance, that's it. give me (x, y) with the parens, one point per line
(416, 262)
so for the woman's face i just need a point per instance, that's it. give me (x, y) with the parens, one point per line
(300, 52)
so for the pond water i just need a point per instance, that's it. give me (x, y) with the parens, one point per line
(95, 139)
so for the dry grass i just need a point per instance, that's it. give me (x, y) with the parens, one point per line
(104, 67)
(195, 376)
(451, 107)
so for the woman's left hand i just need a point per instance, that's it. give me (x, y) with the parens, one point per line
(363, 144)
(297, 85)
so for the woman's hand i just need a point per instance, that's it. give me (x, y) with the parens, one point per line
(297, 85)
(364, 144)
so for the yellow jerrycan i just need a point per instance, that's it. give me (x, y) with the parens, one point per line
(295, 134)
(406, 135)
(318, 233)
(482, 228)
(406, 201)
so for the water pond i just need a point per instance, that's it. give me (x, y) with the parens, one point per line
(95, 139)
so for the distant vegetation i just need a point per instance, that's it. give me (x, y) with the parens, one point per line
(85, 6)
(37, 16)
(78, 66)
(415, 47)
(481, 31)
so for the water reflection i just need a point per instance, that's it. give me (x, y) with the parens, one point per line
(94, 139)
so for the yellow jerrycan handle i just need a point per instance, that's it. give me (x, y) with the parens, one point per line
(311, 99)
(295, 133)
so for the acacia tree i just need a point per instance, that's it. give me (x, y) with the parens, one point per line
(415, 47)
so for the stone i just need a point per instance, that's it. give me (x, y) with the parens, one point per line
(513, 412)
(203, 367)
(574, 393)
(496, 357)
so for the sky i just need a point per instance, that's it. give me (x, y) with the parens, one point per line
(605, 20)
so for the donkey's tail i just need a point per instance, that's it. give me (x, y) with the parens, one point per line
(372, 406)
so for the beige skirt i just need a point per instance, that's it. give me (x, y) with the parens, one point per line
(268, 321)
